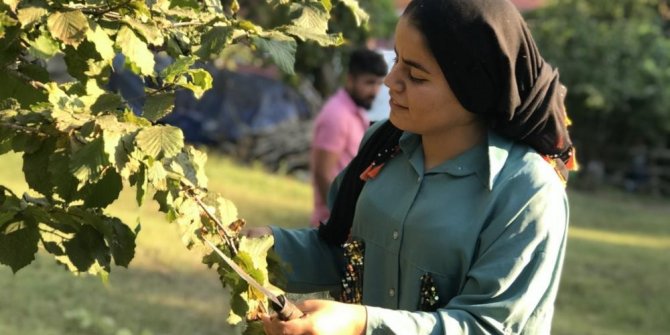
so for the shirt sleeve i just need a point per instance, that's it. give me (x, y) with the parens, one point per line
(313, 265)
(330, 130)
(512, 283)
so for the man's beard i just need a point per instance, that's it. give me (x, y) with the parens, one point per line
(361, 102)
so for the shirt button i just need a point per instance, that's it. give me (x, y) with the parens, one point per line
(418, 180)
(395, 234)
(391, 292)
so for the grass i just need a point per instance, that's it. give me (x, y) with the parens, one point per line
(614, 279)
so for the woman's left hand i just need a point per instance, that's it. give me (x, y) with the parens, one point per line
(322, 317)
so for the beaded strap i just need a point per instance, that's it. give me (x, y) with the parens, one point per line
(352, 281)
(428, 297)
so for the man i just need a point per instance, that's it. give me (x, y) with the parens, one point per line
(339, 127)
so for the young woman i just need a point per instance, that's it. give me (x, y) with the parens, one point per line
(454, 213)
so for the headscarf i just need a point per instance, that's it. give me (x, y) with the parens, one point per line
(495, 70)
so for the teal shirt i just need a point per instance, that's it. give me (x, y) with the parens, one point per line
(489, 226)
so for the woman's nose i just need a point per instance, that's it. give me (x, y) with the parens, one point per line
(393, 82)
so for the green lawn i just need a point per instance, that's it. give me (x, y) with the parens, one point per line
(614, 280)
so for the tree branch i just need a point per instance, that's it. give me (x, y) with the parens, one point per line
(191, 192)
(31, 130)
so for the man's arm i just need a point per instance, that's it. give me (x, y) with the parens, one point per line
(325, 163)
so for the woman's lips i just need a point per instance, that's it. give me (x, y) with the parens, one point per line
(393, 102)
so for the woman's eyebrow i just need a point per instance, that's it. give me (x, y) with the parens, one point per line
(410, 62)
(415, 64)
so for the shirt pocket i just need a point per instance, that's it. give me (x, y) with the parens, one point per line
(429, 289)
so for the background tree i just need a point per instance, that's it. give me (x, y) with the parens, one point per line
(321, 66)
(614, 57)
(82, 144)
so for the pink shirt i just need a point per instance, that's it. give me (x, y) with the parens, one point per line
(338, 128)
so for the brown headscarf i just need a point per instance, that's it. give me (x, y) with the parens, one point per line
(492, 64)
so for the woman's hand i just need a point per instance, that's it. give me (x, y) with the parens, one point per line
(322, 317)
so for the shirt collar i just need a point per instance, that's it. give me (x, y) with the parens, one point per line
(486, 159)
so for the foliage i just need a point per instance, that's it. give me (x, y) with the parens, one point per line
(82, 145)
(614, 58)
(322, 66)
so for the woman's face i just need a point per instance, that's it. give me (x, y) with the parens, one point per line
(421, 100)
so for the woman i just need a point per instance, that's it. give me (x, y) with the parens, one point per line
(458, 202)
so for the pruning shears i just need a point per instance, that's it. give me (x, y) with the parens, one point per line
(285, 309)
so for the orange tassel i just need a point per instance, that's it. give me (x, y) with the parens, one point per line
(371, 172)
(572, 163)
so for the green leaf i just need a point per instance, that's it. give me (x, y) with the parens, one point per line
(238, 307)
(257, 249)
(164, 200)
(135, 50)
(127, 157)
(69, 27)
(214, 6)
(18, 244)
(311, 23)
(280, 48)
(200, 82)
(106, 103)
(141, 182)
(103, 44)
(15, 87)
(34, 165)
(10, 46)
(157, 176)
(77, 59)
(327, 5)
(157, 106)
(250, 26)
(185, 4)
(214, 41)
(54, 248)
(118, 138)
(149, 31)
(226, 211)
(360, 15)
(24, 142)
(65, 184)
(191, 164)
(34, 71)
(307, 34)
(89, 161)
(122, 242)
(245, 261)
(160, 141)
(103, 192)
(87, 248)
(7, 215)
(31, 15)
(130, 117)
(63, 221)
(180, 66)
(12, 4)
(188, 219)
(43, 47)
(6, 21)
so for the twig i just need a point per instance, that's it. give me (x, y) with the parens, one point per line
(191, 193)
(186, 24)
(24, 128)
(98, 10)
